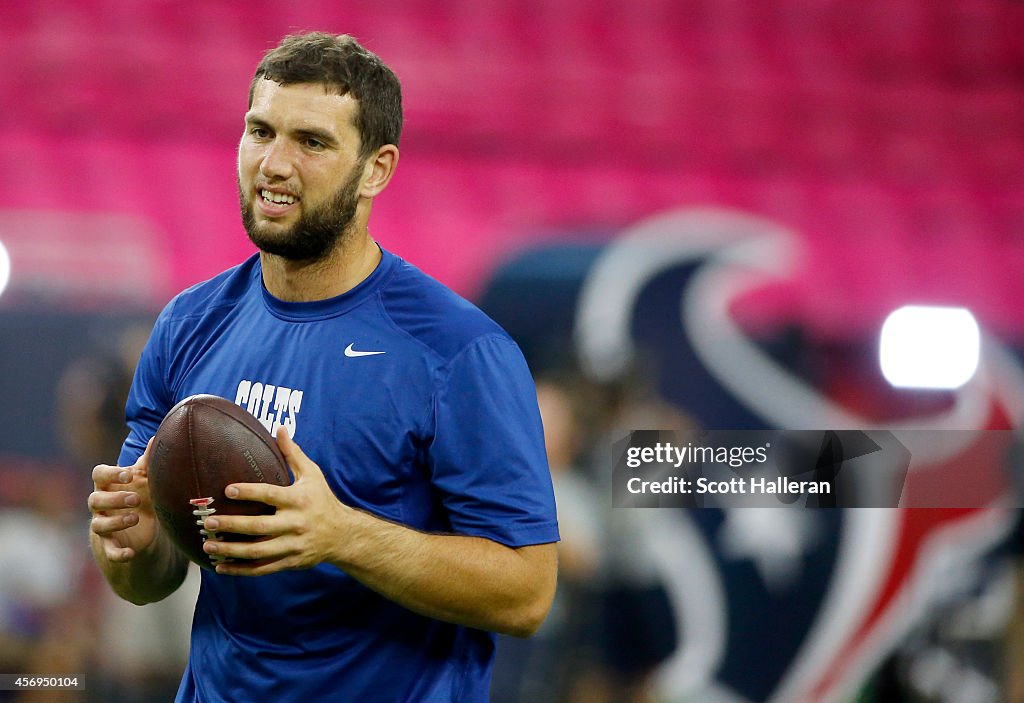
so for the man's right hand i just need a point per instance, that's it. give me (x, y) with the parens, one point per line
(134, 553)
(122, 512)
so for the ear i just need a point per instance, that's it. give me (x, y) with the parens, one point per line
(378, 170)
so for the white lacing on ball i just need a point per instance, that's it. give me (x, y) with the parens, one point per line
(203, 511)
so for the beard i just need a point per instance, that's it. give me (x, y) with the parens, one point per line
(319, 229)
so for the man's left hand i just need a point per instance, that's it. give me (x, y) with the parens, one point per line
(299, 535)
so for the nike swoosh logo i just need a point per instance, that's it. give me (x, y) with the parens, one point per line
(349, 351)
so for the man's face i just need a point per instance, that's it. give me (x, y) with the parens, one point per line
(299, 175)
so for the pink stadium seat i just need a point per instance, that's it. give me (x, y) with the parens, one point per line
(879, 130)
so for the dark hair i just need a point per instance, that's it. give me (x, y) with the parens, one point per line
(340, 63)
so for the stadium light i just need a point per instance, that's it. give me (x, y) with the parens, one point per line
(929, 347)
(5, 268)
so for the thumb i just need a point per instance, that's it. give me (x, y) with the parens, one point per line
(141, 467)
(298, 462)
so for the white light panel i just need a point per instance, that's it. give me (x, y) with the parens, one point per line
(929, 347)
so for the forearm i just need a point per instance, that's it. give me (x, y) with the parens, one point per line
(151, 576)
(466, 580)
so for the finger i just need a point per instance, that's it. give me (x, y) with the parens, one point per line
(251, 568)
(117, 554)
(264, 549)
(106, 475)
(258, 492)
(112, 500)
(299, 463)
(106, 525)
(260, 525)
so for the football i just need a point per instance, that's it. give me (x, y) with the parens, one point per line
(204, 444)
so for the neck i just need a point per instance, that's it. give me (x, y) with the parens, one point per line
(348, 265)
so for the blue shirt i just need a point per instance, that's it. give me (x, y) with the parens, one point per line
(418, 408)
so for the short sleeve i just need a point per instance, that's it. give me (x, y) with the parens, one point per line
(149, 398)
(487, 456)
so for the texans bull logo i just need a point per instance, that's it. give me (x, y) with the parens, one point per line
(781, 605)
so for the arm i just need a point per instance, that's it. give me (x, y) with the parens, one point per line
(469, 580)
(466, 580)
(132, 551)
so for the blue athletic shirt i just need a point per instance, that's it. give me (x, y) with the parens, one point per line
(418, 408)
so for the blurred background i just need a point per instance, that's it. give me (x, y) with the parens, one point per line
(689, 213)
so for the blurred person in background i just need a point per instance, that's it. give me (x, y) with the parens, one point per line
(1013, 641)
(612, 624)
(144, 649)
(1013, 637)
(44, 630)
(638, 625)
(558, 663)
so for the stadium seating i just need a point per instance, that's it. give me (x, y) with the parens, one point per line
(887, 133)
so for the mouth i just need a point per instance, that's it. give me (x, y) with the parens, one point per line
(272, 202)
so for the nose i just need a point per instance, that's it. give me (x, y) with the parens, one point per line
(277, 163)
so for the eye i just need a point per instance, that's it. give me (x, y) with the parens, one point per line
(313, 144)
(260, 132)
